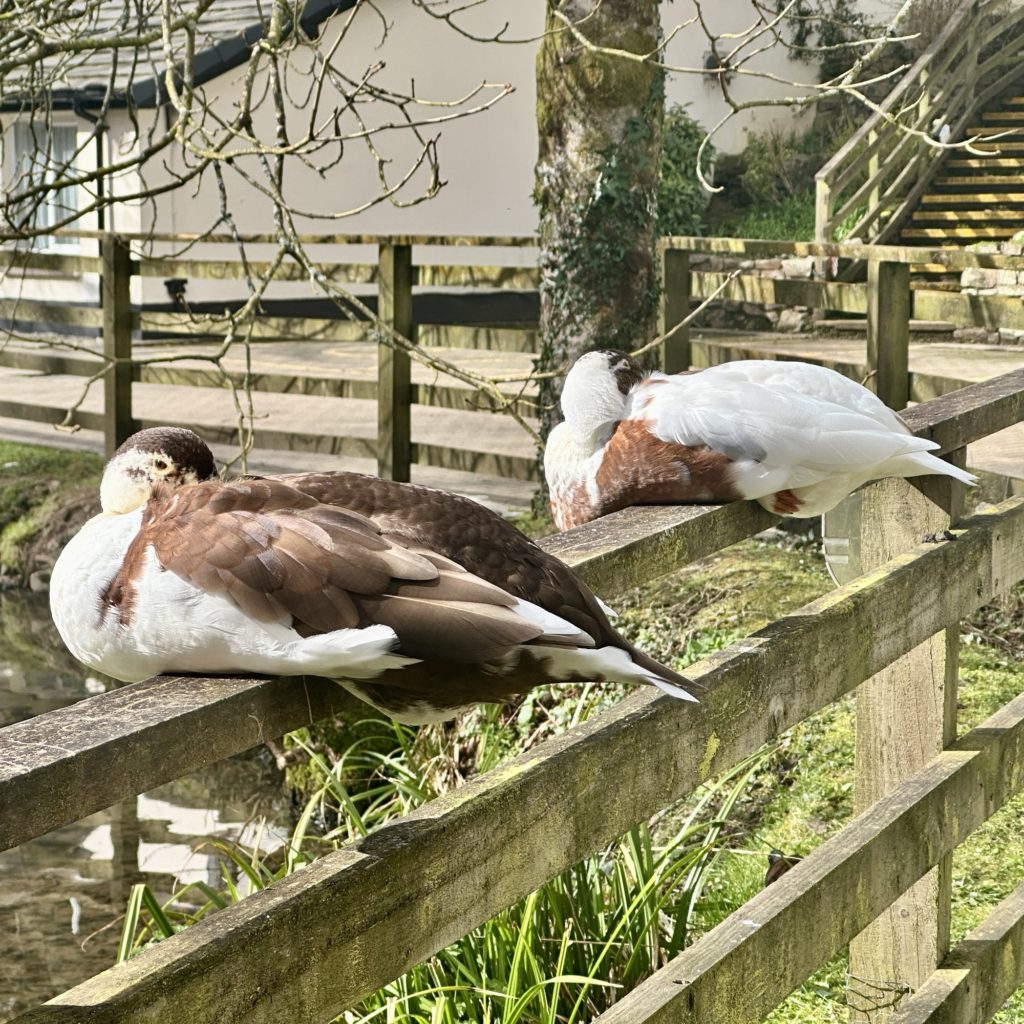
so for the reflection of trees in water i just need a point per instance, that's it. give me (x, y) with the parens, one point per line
(37, 672)
(52, 882)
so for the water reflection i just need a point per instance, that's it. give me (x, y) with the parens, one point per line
(62, 895)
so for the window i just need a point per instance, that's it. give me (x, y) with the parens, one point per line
(44, 153)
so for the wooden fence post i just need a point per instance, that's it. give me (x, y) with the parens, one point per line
(675, 307)
(889, 331)
(394, 368)
(116, 298)
(906, 715)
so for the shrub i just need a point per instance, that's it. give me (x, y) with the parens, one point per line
(682, 201)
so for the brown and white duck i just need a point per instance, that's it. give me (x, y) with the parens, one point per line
(420, 602)
(793, 436)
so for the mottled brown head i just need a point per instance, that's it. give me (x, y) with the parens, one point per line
(169, 457)
(626, 370)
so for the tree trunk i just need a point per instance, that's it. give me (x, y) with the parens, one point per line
(599, 120)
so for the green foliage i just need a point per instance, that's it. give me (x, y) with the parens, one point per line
(563, 953)
(790, 218)
(32, 480)
(26, 472)
(682, 201)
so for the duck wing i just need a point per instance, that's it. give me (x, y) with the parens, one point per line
(283, 556)
(472, 536)
(782, 430)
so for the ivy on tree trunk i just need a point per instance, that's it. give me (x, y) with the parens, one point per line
(599, 119)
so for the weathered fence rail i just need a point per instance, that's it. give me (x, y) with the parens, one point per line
(321, 939)
(496, 307)
(886, 299)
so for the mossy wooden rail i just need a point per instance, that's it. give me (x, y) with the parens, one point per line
(496, 306)
(321, 939)
(874, 180)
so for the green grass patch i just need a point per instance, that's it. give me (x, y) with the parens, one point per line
(33, 481)
(791, 217)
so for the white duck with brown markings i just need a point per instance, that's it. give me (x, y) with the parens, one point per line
(418, 601)
(796, 437)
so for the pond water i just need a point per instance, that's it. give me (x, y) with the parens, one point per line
(62, 895)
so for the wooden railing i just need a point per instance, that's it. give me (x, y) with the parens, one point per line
(876, 178)
(322, 939)
(886, 300)
(469, 319)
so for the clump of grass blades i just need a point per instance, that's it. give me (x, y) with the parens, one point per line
(563, 954)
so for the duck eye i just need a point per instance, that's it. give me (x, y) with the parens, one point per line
(160, 464)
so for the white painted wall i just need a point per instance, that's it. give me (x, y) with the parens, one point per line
(486, 160)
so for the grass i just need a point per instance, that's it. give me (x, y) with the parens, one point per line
(790, 218)
(573, 947)
(33, 479)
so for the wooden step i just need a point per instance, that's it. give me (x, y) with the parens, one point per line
(996, 148)
(962, 215)
(986, 163)
(954, 198)
(967, 234)
(1013, 101)
(1009, 116)
(990, 180)
(1009, 132)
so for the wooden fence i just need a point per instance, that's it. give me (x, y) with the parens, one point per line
(483, 314)
(490, 320)
(874, 181)
(319, 940)
(886, 299)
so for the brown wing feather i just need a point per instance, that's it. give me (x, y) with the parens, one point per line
(470, 535)
(282, 556)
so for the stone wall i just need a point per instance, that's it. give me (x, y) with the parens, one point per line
(725, 314)
(990, 281)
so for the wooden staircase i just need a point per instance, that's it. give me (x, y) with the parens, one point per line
(977, 198)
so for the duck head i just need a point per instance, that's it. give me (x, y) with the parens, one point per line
(595, 391)
(168, 457)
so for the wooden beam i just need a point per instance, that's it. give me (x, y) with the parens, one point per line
(56, 313)
(513, 829)
(394, 369)
(746, 965)
(888, 332)
(675, 307)
(115, 289)
(978, 976)
(906, 715)
(60, 766)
